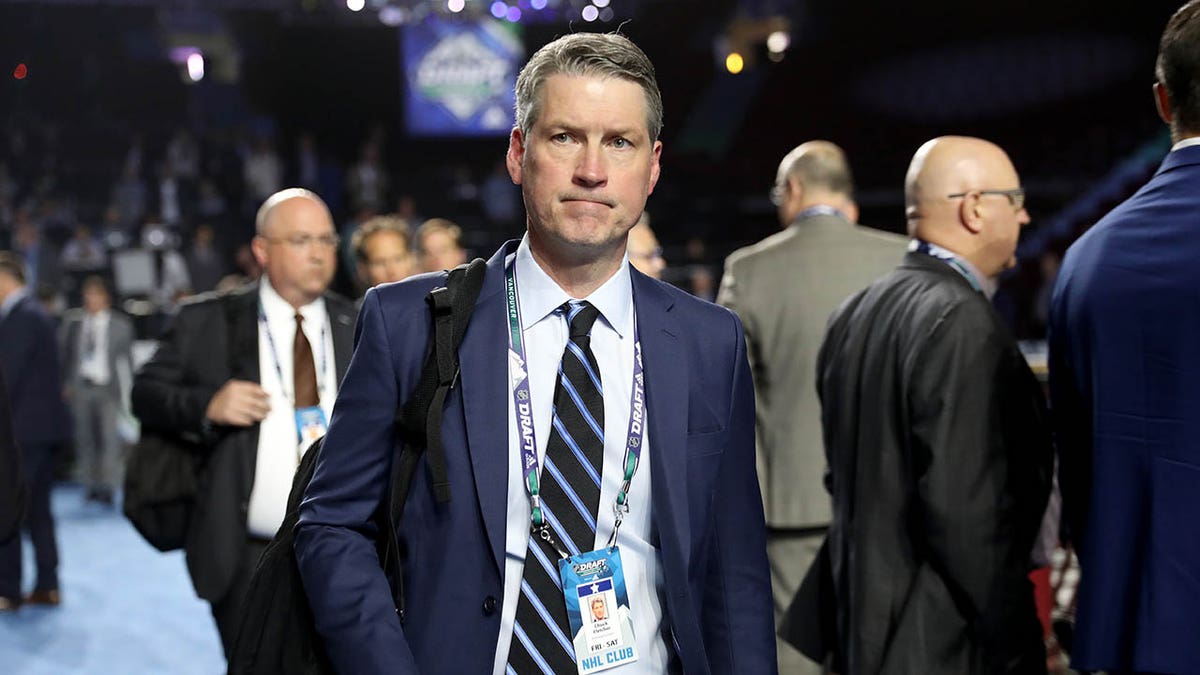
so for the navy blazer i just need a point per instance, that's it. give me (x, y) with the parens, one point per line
(29, 360)
(706, 503)
(1125, 386)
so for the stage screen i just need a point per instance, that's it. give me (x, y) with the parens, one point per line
(459, 76)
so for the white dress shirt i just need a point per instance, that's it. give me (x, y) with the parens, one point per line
(279, 447)
(546, 335)
(93, 364)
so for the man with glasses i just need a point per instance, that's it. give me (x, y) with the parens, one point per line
(645, 253)
(248, 378)
(1123, 362)
(935, 430)
(784, 289)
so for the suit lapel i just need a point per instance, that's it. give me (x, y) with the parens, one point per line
(666, 369)
(483, 366)
(341, 322)
(242, 321)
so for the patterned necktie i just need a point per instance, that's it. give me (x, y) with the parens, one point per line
(570, 492)
(304, 373)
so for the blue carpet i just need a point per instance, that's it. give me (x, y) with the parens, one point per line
(126, 607)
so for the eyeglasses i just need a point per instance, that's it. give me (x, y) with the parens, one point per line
(1016, 196)
(299, 241)
(650, 255)
(777, 194)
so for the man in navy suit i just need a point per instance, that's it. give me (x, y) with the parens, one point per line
(29, 361)
(580, 325)
(1125, 386)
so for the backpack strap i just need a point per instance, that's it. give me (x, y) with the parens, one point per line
(419, 420)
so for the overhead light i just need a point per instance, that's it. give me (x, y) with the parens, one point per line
(590, 13)
(778, 41)
(455, 6)
(195, 67)
(734, 63)
(356, 5)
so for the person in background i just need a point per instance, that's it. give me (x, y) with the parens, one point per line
(1123, 364)
(439, 242)
(645, 254)
(30, 365)
(784, 288)
(98, 371)
(206, 262)
(380, 246)
(12, 479)
(937, 440)
(250, 376)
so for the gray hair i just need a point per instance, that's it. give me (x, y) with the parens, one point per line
(264, 211)
(592, 55)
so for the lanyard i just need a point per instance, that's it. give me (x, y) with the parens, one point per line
(262, 320)
(523, 411)
(949, 258)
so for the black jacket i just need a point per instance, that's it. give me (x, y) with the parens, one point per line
(12, 493)
(939, 467)
(209, 342)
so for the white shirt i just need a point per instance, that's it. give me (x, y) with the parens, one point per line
(93, 365)
(1187, 142)
(546, 337)
(279, 447)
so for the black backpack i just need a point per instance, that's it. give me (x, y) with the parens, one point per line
(278, 633)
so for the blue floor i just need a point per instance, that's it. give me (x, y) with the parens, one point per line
(126, 607)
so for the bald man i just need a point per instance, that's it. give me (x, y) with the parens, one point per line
(784, 288)
(246, 379)
(935, 433)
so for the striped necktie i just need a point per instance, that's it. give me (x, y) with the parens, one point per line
(570, 492)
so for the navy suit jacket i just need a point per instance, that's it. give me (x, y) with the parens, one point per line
(1125, 386)
(29, 360)
(706, 503)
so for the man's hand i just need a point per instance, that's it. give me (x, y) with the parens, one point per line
(238, 403)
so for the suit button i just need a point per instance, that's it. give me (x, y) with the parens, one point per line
(489, 605)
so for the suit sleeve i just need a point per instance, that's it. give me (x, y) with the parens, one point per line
(1072, 420)
(346, 587)
(166, 395)
(738, 611)
(11, 486)
(979, 500)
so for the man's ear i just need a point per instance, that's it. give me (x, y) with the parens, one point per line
(970, 213)
(1163, 103)
(516, 155)
(258, 246)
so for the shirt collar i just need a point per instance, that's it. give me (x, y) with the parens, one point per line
(1185, 143)
(12, 300)
(539, 295)
(278, 309)
(984, 284)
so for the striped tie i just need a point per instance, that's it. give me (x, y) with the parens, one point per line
(570, 491)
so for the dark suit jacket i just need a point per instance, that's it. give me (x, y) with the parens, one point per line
(12, 493)
(940, 461)
(29, 361)
(706, 504)
(1125, 383)
(212, 340)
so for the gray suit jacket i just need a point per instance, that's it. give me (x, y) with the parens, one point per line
(120, 346)
(784, 288)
